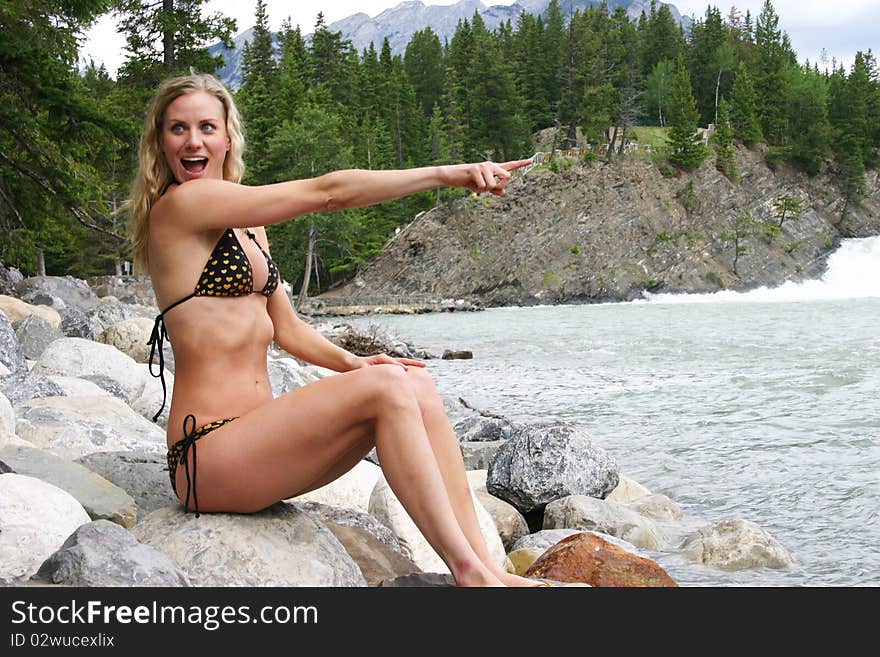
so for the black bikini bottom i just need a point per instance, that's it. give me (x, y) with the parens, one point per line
(177, 455)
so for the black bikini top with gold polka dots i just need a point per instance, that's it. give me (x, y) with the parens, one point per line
(227, 273)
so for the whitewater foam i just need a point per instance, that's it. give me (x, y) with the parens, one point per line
(853, 272)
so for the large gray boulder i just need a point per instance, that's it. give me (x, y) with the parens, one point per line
(22, 386)
(35, 520)
(544, 463)
(94, 361)
(57, 291)
(9, 277)
(351, 518)
(102, 553)
(479, 428)
(376, 560)
(100, 498)
(279, 546)
(143, 475)
(588, 513)
(71, 427)
(111, 311)
(35, 334)
(75, 323)
(11, 352)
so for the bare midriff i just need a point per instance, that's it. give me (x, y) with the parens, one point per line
(220, 367)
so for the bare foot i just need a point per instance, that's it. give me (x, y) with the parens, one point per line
(479, 575)
(510, 579)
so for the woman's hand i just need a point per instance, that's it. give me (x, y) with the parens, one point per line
(385, 359)
(482, 177)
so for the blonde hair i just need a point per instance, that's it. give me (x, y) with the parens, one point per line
(154, 175)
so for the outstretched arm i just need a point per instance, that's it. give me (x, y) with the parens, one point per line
(204, 204)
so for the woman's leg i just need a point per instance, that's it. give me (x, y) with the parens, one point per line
(447, 451)
(299, 440)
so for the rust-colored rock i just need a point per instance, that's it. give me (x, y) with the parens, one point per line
(592, 560)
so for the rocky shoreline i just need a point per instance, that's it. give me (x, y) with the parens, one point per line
(85, 499)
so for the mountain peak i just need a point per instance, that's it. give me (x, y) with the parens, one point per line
(400, 22)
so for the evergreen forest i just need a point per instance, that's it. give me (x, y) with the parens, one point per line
(69, 133)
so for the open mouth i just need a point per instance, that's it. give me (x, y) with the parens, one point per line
(194, 164)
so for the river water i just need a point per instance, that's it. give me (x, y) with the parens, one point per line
(761, 405)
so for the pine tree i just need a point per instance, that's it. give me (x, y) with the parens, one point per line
(662, 38)
(807, 119)
(553, 46)
(183, 31)
(333, 63)
(657, 90)
(256, 99)
(293, 70)
(743, 109)
(857, 124)
(772, 55)
(529, 71)
(685, 146)
(423, 62)
(725, 157)
(706, 38)
(56, 141)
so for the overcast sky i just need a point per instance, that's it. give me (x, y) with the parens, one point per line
(841, 27)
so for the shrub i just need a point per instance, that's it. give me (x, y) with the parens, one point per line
(712, 277)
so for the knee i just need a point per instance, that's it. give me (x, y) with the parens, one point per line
(426, 393)
(390, 387)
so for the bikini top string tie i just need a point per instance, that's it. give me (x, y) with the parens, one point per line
(157, 344)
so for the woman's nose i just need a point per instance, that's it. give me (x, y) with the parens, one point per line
(193, 139)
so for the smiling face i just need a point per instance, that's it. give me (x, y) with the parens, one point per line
(194, 139)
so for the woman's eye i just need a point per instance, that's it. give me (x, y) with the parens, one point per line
(207, 127)
(177, 128)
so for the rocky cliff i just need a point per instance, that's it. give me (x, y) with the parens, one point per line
(595, 231)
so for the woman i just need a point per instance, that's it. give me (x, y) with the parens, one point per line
(194, 224)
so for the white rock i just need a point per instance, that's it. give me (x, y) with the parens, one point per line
(76, 387)
(385, 506)
(130, 336)
(278, 546)
(71, 427)
(149, 401)
(589, 513)
(351, 491)
(4, 371)
(736, 545)
(35, 520)
(656, 506)
(7, 415)
(627, 490)
(80, 357)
